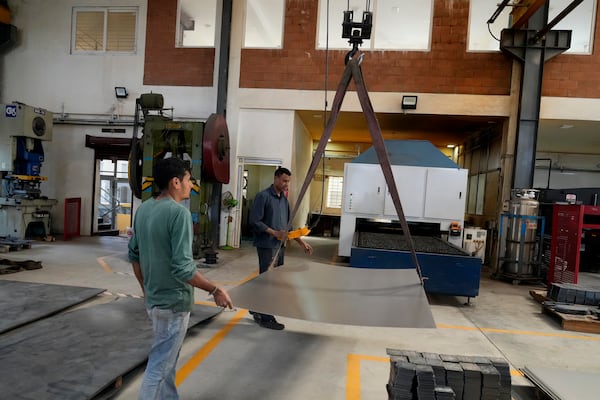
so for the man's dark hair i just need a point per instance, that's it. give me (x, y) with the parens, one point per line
(168, 168)
(281, 170)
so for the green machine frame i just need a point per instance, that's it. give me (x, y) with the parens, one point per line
(205, 145)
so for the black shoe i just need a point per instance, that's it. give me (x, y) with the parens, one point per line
(257, 317)
(271, 324)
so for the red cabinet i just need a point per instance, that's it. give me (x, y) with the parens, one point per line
(569, 225)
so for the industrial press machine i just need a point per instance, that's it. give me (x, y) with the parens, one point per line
(24, 211)
(204, 144)
(432, 190)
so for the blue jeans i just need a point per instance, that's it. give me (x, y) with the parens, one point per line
(169, 331)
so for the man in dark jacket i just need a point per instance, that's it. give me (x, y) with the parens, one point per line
(269, 221)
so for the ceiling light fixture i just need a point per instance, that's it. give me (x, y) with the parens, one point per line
(450, 146)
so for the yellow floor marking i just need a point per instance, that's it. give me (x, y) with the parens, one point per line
(353, 374)
(104, 265)
(197, 358)
(517, 332)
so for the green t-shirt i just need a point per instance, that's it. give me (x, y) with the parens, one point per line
(162, 244)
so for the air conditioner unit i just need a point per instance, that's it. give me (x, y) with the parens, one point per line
(19, 119)
(474, 242)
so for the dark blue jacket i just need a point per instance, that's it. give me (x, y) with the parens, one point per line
(268, 211)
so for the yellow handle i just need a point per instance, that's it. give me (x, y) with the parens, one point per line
(298, 233)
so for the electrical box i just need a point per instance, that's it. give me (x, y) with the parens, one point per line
(475, 241)
(19, 119)
(570, 225)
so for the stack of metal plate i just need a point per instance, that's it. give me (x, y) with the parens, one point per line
(503, 369)
(434, 360)
(574, 294)
(421, 376)
(454, 377)
(472, 388)
(444, 393)
(81, 353)
(425, 382)
(402, 382)
(490, 382)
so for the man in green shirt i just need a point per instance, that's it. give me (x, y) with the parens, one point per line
(160, 251)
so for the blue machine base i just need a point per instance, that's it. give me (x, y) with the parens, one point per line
(445, 274)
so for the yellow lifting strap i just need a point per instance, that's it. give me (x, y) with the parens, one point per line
(298, 233)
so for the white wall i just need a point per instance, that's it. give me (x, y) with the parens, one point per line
(301, 160)
(266, 134)
(39, 70)
(567, 171)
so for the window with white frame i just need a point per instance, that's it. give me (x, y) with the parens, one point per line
(196, 23)
(397, 24)
(484, 37)
(335, 185)
(263, 25)
(104, 29)
(581, 21)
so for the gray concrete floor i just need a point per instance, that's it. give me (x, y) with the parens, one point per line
(231, 358)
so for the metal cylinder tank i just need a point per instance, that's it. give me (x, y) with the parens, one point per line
(520, 256)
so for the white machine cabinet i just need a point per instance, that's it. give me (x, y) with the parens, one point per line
(446, 193)
(410, 182)
(365, 192)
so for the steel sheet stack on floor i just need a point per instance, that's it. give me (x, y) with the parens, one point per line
(564, 384)
(574, 294)
(425, 376)
(24, 302)
(80, 353)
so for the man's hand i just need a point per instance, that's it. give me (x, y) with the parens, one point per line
(222, 299)
(307, 247)
(279, 235)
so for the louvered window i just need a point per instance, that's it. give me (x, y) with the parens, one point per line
(102, 29)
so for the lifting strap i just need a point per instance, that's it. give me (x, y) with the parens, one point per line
(353, 70)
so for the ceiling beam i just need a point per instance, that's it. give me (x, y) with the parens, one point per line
(523, 10)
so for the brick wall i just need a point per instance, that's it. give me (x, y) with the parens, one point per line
(164, 64)
(447, 68)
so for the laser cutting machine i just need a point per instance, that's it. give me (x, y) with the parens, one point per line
(24, 211)
(433, 191)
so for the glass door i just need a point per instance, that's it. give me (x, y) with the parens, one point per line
(113, 208)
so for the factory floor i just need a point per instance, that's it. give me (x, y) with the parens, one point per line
(230, 357)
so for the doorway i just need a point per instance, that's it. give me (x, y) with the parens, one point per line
(254, 175)
(112, 194)
(113, 206)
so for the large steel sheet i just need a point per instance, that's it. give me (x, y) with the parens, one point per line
(77, 354)
(564, 384)
(339, 295)
(24, 302)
